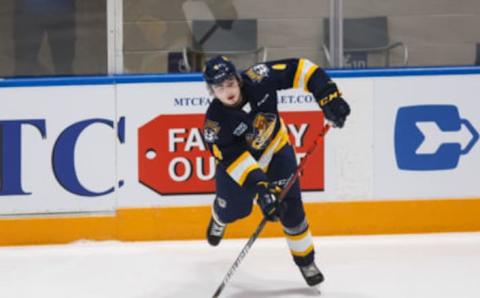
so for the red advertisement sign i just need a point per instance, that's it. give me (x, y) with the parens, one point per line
(174, 159)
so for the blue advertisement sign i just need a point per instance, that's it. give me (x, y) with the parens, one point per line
(409, 137)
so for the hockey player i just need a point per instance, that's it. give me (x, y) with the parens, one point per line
(250, 143)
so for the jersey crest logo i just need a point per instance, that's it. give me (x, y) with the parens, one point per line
(210, 132)
(263, 127)
(258, 72)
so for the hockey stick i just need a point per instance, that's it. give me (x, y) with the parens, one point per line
(258, 230)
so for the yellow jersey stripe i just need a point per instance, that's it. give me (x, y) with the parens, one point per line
(298, 73)
(237, 161)
(241, 167)
(284, 140)
(306, 68)
(217, 152)
(245, 173)
(308, 75)
(280, 139)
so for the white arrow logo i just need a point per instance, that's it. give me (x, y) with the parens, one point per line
(435, 137)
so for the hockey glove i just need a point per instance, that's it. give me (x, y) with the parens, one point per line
(267, 200)
(334, 107)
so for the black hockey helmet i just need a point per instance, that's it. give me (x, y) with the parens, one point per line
(218, 69)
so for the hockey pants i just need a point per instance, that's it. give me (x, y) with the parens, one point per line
(234, 202)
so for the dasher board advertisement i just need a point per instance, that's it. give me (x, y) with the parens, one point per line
(426, 137)
(57, 149)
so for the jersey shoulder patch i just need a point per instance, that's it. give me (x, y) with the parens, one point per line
(258, 72)
(211, 130)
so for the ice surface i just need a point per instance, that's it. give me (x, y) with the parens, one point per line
(440, 265)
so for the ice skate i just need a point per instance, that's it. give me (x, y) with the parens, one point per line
(312, 274)
(215, 232)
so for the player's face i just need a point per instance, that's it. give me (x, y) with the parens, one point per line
(228, 92)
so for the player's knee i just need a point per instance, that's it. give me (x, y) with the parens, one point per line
(241, 212)
(231, 210)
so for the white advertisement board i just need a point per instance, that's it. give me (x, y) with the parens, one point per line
(426, 137)
(57, 149)
(94, 148)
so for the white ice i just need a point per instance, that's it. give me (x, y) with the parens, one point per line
(406, 266)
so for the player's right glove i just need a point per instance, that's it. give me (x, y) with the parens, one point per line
(267, 200)
(334, 107)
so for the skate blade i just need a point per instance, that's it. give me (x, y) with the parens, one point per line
(316, 289)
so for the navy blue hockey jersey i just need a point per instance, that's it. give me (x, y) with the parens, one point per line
(244, 139)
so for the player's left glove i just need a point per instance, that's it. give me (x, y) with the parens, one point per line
(334, 107)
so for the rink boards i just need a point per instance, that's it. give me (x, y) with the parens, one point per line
(122, 157)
